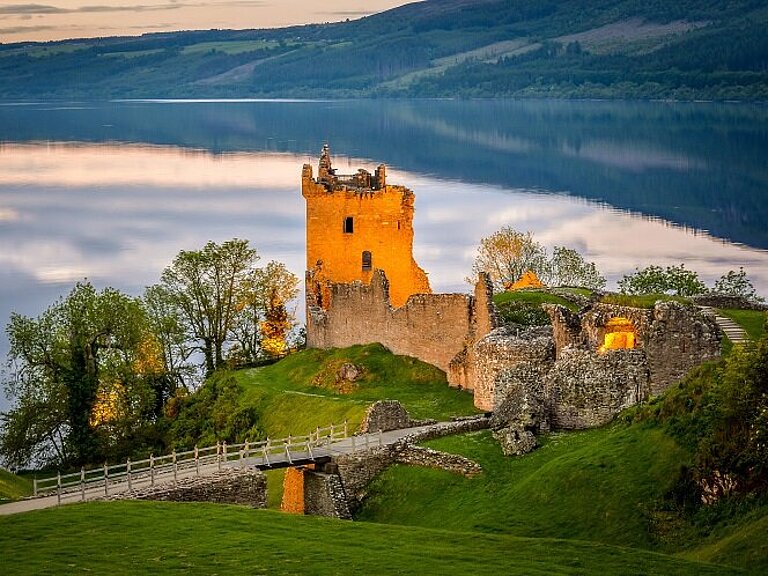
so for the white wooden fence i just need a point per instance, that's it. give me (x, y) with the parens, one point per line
(103, 480)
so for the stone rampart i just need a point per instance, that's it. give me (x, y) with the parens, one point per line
(246, 486)
(531, 351)
(435, 328)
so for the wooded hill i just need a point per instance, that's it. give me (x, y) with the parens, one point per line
(689, 49)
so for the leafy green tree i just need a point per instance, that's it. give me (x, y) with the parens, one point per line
(83, 376)
(569, 268)
(206, 288)
(737, 284)
(264, 319)
(508, 254)
(677, 280)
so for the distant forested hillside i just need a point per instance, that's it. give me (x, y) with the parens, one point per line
(687, 49)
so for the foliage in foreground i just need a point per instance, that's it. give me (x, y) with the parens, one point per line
(93, 376)
(264, 542)
(719, 413)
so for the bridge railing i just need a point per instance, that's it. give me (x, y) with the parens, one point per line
(105, 479)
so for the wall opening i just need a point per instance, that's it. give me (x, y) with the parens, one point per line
(367, 261)
(349, 225)
(620, 334)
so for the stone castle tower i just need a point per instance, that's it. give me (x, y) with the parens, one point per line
(356, 224)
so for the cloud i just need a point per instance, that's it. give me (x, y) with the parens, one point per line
(46, 9)
(26, 9)
(26, 29)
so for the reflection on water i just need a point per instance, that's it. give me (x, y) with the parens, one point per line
(112, 193)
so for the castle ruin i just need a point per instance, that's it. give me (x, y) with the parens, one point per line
(363, 286)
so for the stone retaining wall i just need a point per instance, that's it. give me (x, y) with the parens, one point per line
(358, 470)
(246, 486)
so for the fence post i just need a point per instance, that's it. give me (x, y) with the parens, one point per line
(218, 454)
(106, 479)
(345, 428)
(247, 449)
(317, 435)
(266, 453)
(58, 487)
(82, 483)
(128, 473)
(224, 451)
(34, 486)
(175, 465)
(197, 461)
(287, 451)
(151, 469)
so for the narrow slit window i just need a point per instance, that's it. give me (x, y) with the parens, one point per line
(367, 261)
(349, 225)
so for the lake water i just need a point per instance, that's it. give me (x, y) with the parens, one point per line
(112, 191)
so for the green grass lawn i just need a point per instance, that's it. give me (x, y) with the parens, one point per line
(594, 485)
(112, 538)
(13, 487)
(300, 392)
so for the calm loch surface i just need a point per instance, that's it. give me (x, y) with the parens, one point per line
(112, 191)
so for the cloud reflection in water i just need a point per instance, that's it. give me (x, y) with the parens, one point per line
(118, 214)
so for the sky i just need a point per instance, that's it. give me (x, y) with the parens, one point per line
(43, 20)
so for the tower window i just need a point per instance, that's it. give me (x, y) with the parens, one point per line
(367, 261)
(349, 225)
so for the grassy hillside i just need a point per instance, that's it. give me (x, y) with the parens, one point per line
(610, 485)
(13, 487)
(598, 48)
(597, 485)
(303, 391)
(111, 538)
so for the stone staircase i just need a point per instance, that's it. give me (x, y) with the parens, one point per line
(733, 331)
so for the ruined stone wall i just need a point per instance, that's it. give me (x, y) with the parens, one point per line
(382, 224)
(680, 337)
(359, 469)
(531, 351)
(233, 486)
(675, 337)
(434, 328)
(388, 415)
(585, 389)
(324, 496)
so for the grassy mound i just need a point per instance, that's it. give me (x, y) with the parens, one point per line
(303, 391)
(596, 485)
(111, 538)
(13, 487)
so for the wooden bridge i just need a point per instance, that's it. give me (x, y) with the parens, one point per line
(109, 480)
